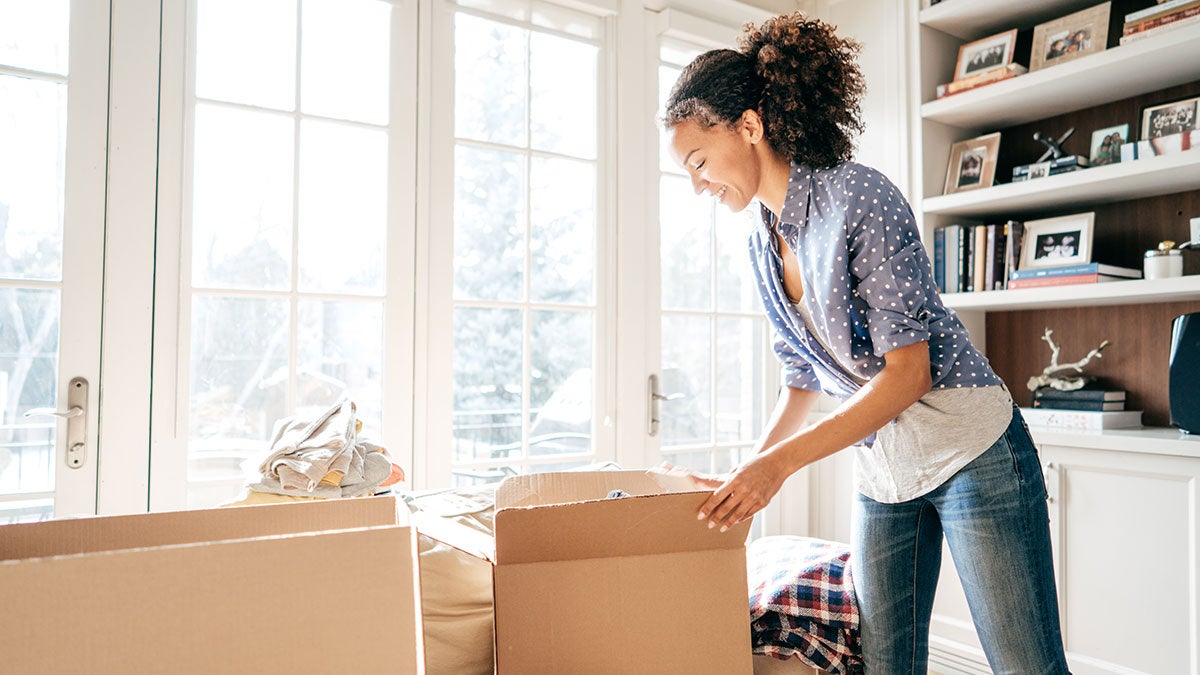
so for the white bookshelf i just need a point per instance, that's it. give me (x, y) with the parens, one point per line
(1128, 70)
(980, 18)
(1166, 174)
(1106, 293)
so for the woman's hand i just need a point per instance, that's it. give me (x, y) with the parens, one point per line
(751, 487)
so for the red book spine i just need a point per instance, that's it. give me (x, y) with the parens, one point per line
(1161, 20)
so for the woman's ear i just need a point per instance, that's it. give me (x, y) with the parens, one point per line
(751, 126)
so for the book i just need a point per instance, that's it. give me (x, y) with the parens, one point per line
(939, 258)
(1014, 236)
(1064, 404)
(1057, 165)
(1067, 280)
(1081, 268)
(975, 81)
(953, 281)
(989, 264)
(1082, 420)
(1162, 20)
(1159, 9)
(979, 258)
(1087, 393)
(1190, 21)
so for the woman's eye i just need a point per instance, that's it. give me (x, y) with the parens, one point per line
(700, 166)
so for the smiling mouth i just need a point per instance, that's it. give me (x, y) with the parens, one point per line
(721, 192)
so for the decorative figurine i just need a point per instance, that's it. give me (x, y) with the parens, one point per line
(1053, 147)
(1061, 382)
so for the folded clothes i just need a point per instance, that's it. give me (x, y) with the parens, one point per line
(322, 456)
(802, 602)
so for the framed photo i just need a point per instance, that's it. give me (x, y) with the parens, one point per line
(1106, 145)
(981, 56)
(1070, 37)
(1054, 242)
(1166, 119)
(972, 163)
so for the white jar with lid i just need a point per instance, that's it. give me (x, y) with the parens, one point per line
(1163, 263)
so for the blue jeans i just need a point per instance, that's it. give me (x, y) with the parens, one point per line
(993, 515)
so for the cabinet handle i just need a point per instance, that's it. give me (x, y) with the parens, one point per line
(1051, 493)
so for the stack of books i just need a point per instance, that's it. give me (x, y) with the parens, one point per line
(1064, 164)
(975, 81)
(968, 258)
(1087, 398)
(1088, 409)
(1160, 18)
(1066, 275)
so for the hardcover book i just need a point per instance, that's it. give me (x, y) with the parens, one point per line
(1082, 268)
(1061, 404)
(1084, 394)
(1082, 420)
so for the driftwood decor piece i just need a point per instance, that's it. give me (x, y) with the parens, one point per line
(1051, 378)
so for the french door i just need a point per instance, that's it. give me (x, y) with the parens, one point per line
(53, 98)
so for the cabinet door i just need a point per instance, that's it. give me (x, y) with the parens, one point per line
(1125, 534)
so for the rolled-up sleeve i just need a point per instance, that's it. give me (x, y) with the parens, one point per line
(796, 372)
(890, 266)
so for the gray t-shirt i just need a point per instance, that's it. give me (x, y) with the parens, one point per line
(930, 441)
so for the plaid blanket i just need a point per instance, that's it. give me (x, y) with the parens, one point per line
(802, 602)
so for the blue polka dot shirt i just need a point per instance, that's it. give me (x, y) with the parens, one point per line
(868, 285)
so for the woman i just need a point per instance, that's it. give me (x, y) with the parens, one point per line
(847, 286)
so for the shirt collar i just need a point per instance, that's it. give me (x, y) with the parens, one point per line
(795, 203)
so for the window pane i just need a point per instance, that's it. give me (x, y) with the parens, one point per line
(490, 80)
(707, 461)
(489, 224)
(343, 208)
(740, 353)
(666, 80)
(344, 59)
(735, 279)
(561, 382)
(686, 241)
(487, 384)
(340, 348)
(563, 104)
(686, 369)
(33, 35)
(242, 199)
(33, 120)
(28, 379)
(239, 373)
(246, 52)
(565, 20)
(562, 203)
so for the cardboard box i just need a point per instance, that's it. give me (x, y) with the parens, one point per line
(315, 586)
(584, 584)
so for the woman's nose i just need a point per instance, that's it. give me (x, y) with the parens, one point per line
(698, 184)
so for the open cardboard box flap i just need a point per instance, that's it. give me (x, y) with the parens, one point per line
(145, 592)
(143, 530)
(565, 516)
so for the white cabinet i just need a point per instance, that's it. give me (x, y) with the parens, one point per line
(1125, 527)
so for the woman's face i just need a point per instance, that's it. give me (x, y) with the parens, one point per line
(721, 161)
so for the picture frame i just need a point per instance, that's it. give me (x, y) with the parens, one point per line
(985, 55)
(1106, 145)
(1070, 37)
(972, 163)
(1055, 242)
(1169, 118)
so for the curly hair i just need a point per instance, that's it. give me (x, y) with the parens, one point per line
(799, 76)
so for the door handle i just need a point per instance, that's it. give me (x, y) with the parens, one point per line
(76, 417)
(655, 404)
